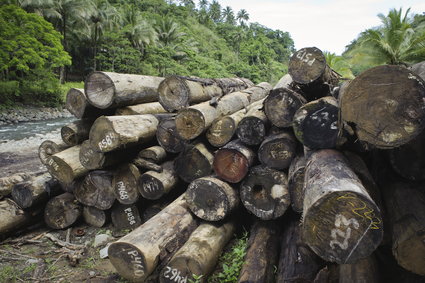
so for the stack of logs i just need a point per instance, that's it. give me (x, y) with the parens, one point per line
(321, 166)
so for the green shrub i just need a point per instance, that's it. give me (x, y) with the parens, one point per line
(9, 92)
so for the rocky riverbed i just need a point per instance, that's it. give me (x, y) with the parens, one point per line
(27, 113)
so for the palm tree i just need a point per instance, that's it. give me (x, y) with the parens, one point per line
(167, 31)
(242, 17)
(215, 11)
(203, 4)
(395, 42)
(339, 64)
(228, 15)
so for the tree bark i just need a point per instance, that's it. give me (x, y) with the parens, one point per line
(364, 270)
(316, 123)
(341, 222)
(125, 216)
(62, 211)
(112, 90)
(191, 122)
(211, 199)
(66, 166)
(384, 106)
(140, 109)
(76, 132)
(110, 133)
(125, 183)
(296, 183)
(193, 163)
(78, 105)
(12, 217)
(252, 129)
(309, 70)
(137, 254)
(278, 150)
(153, 185)
(264, 192)
(94, 217)
(232, 162)
(7, 183)
(168, 137)
(262, 253)
(96, 190)
(199, 255)
(176, 93)
(47, 148)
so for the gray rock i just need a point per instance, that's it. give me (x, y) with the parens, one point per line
(102, 239)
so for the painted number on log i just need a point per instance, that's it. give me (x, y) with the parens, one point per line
(136, 261)
(130, 216)
(87, 155)
(342, 230)
(106, 141)
(174, 275)
(306, 57)
(122, 190)
(150, 187)
(53, 164)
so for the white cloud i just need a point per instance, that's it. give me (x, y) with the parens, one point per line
(327, 24)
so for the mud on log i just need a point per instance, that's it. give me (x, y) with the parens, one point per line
(111, 90)
(278, 150)
(48, 147)
(96, 190)
(341, 223)
(62, 211)
(195, 162)
(76, 132)
(153, 185)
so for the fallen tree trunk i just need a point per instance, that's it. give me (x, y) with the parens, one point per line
(316, 123)
(278, 150)
(76, 132)
(199, 255)
(47, 148)
(7, 183)
(341, 222)
(176, 93)
(96, 190)
(12, 217)
(193, 163)
(78, 105)
(296, 183)
(262, 253)
(112, 90)
(191, 122)
(264, 192)
(232, 162)
(168, 138)
(384, 106)
(62, 211)
(150, 157)
(153, 185)
(252, 129)
(125, 183)
(126, 216)
(110, 133)
(140, 109)
(94, 217)
(137, 254)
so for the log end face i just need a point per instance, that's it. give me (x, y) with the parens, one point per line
(307, 65)
(180, 269)
(251, 130)
(69, 136)
(190, 123)
(168, 137)
(60, 170)
(277, 152)
(22, 195)
(100, 90)
(174, 93)
(76, 102)
(410, 253)
(230, 165)
(90, 158)
(221, 132)
(128, 261)
(102, 137)
(150, 187)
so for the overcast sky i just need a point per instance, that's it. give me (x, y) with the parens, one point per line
(329, 25)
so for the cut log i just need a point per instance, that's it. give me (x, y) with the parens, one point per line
(262, 253)
(110, 133)
(419, 69)
(177, 92)
(94, 217)
(168, 138)
(66, 166)
(96, 190)
(297, 262)
(281, 105)
(406, 215)
(285, 82)
(76, 132)
(78, 105)
(12, 217)
(296, 183)
(341, 222)
(7, 183)
(62, 211)
(309, 70)
(264, 192)
(125, 216)
(153, 185)
(156, 154)
(278, 150)
(125, 183)
(364, 270)
(211, 199)
(199, 255)
(140, 109)
(111, 90)
(193, 163)
(384, 106)
(316, 123)
(35, 191)
(252, 129)
(47, 148)
(191, 122)
(232, 162)
(137, 254)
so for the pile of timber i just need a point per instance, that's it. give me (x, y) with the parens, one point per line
(316, 168)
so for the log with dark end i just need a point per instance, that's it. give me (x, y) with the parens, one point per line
(252, 129)
(195, 162)
(168, 138)
(278, 150)
(211, 199)
(62, 211)
(94, 217)
(199, 255)
(96, 190)
(137, 254)
(223, 129)
(364, 270)
(384, 106)
(316, 123)
(296, 183)
(153, 185)
(78, 105)
(341, 222)
(48, 147)
(125, 216)
(154, 153)
(7, 183)
(125, 183)
(111, 90)
(232, 162)
(262, 253)
(139, 109)
(264, 192)
(76, 132)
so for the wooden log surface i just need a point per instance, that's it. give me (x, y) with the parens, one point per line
(125, 216)
(194, 162)
(62, 211)
(7, 183)
(112, 90)
(153, 185)
(211, 199)
(76, 132)
(140, 109)
(125, 183)
(49, 147)
(384, 106)
(277, 150)
(252, 129)
(78, 105)
(364, 270)
(136, 255)
(96, 190)
(341, 222)
(296, 182)
(264, 192)
(94, 217)
(168, 137)
(12, 217)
